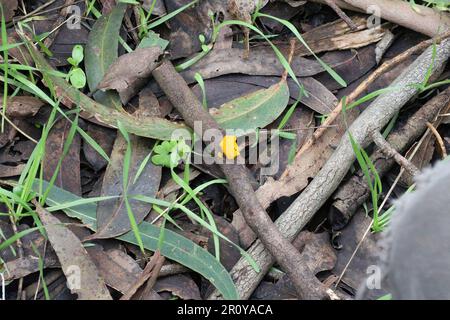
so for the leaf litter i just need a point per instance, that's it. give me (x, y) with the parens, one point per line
(142, 226)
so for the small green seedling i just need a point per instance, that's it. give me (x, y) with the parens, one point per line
(76, 74)
(170, 153)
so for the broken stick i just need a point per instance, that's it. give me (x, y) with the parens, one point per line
(354, 192)
(183, 99)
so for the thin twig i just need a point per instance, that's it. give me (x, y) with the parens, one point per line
(388, 65)
(439, 140)
(332, 4)
(390, 152)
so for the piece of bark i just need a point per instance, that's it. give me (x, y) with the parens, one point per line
(376, 116)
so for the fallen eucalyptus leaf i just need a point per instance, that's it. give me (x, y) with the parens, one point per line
(256, 110)
(74, 259)
(112, 216)
(102, 51)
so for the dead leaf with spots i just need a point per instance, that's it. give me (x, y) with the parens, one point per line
(74, 258)
(23, 106)
(129, 73)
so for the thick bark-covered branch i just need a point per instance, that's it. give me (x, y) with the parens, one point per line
(424, 19)
(354, 192)
(374, 118)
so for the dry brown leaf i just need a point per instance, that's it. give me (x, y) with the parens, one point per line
(23, 106)
(69, 177)
(118, 269)
(74, 259)
(129, 73)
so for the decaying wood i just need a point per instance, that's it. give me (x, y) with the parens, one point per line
(354, 192)
(374, 118)
(351, 40)
(285, 253)
(421, 19)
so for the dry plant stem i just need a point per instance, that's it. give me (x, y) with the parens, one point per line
(154, 276)
(355, 191)
(131, 29)
(341, 14)
(374, 118)
(56, 25)
(390, 152)
(427, 21)
(182, 98)
(439, 140)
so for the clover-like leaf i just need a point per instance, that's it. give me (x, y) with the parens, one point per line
(170, 153)
(77, 78)
(77, 55)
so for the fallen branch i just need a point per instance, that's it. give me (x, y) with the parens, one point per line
(354, 192)
(374, 118)
(316, 150)
(183, 99)
(421, 19)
